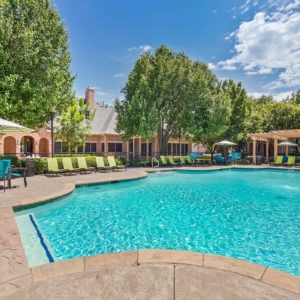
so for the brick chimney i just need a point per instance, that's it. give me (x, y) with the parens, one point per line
(90, 96)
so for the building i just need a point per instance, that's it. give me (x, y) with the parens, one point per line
(103, 141)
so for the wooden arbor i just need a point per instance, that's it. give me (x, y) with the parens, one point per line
(276, 135)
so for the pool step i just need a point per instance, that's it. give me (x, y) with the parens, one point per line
(37, 247)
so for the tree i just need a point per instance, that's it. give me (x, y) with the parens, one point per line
(216, 112)
(75, 125)
(34, 62)
(158, 90)
(239, 118)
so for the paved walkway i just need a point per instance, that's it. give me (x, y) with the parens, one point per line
(15, 273)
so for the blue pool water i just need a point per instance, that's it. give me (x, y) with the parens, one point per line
(250, 215)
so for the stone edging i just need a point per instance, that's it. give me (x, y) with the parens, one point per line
(134, 258)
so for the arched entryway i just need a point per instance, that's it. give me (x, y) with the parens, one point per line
(27, 146)
(10, 145)
(43, 147)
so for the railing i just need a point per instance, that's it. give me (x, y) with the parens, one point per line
(152, 160)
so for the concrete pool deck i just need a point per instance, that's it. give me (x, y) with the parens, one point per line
(15, 273)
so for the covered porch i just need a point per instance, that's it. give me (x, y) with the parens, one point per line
(273, 137)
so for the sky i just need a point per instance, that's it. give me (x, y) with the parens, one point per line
(256, 42)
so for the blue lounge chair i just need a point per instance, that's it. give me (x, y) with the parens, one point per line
(219, 159)
(4, 170)
(8, 172)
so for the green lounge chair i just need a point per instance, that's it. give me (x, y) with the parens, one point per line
(278, 161)
(100, 164)
(290, 162)
(163, 161)
(68, 167)
(182, 161)
(113, 165)
(83, 166)
(171, 160)
(53, 167)
(189, 161)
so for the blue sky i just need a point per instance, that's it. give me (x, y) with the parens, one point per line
(253, 41)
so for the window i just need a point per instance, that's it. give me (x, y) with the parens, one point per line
(173, 149)
(103, 147)
(80, 149)
(90, 147)
(144, 149)
(115, 147)
(59, 147)
(176, 149)
(169, 149)
(184, 149)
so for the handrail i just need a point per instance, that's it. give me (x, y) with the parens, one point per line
(153, 158)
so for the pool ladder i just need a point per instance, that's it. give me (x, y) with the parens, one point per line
(152, 160)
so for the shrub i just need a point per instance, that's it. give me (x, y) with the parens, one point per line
(249, 159)
(242, 162)
(13, 160)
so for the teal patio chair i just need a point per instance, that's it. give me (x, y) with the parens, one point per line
(4, 171)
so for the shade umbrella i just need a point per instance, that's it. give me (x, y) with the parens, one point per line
(11, 127)
(286, 143)
(225, 144)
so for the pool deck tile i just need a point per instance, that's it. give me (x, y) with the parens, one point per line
(111, 259)
(234, 265)
(57, 269)
(15, 284)
(13, 261)
(192, 282)
(170, 256)
(282, 280)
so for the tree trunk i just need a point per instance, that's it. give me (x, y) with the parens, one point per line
(163, 138)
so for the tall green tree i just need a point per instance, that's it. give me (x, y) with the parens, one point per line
(35, 62)
(209, 121)
(239, 118)
(75, 124)
(157, 92)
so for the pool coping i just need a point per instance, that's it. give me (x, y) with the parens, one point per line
(26, 275)
(135, 258)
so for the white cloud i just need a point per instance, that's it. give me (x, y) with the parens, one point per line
(255, 3)
(229, 68)
(214, 11)
(269, 43)
(119, 75)
(246, 6)
(281, 96)
(213, 57)
(101, 93)
(142, 48)
(145, 48)
(231, 35)
(212, 66)
(276, 96)
(233, 17)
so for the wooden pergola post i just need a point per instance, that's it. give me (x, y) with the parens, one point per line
(275, 149)
(267, 151)
(254, 151)
(287, 150)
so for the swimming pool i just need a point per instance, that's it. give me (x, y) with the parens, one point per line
(247, 214)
